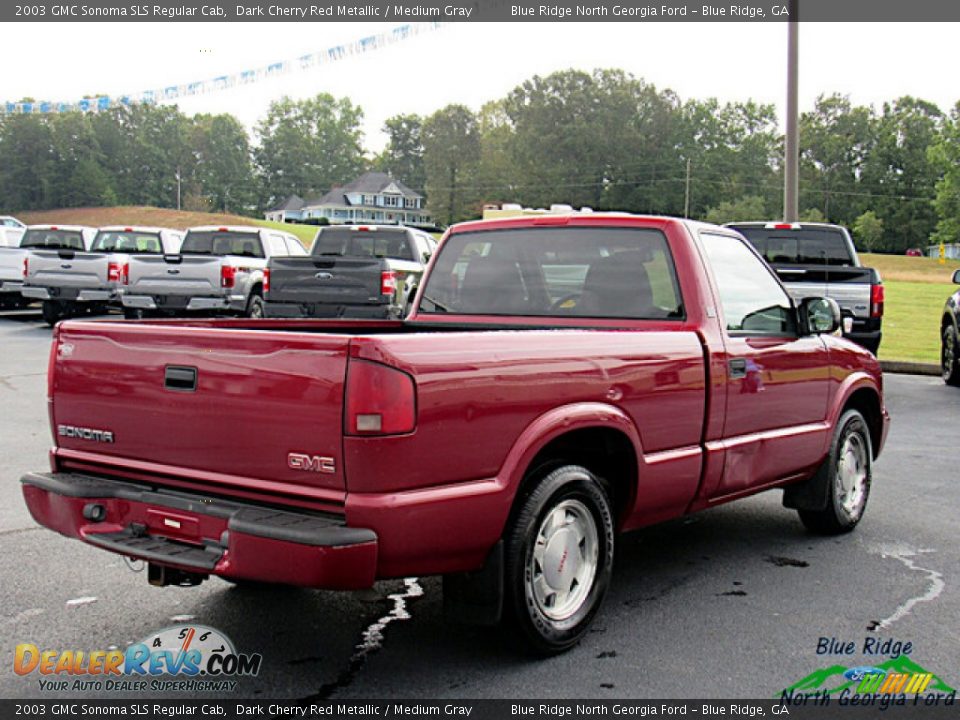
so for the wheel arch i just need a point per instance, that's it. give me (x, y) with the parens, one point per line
(866, 400)
(601, 438)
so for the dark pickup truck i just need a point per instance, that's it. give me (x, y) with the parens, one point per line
(358, 271)
(561, 379)
(817, 259)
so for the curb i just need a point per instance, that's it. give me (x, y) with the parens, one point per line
(909, 368)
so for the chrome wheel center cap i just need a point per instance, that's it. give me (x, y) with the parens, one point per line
(561, 559)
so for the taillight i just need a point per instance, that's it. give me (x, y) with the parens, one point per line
(26, 267)
(266, 280)
(113, 272)
(876, 301)
(228, 274)
(380, 400)
(388, 282)
(125, 274)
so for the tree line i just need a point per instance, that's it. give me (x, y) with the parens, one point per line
(605, 139)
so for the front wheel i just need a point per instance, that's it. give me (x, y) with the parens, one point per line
(950, 357)
(558, 559)
(847, 473)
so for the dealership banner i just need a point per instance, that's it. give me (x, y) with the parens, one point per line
(487, 10)
(468, 709)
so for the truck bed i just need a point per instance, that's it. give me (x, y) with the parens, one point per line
(265, 389)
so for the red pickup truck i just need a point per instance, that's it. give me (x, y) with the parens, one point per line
(562, 379)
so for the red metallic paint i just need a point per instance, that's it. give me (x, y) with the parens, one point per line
(438, 497)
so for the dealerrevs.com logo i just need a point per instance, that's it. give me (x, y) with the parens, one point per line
(179, 658)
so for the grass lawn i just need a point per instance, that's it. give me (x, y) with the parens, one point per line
(910, 269)
(911, 320)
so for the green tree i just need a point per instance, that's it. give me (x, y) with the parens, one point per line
(868, 230)
(835, 140)
(945, 156)
(223, 172)
(899, 174)
(744, 209)
(27, 162)
(403, 156)
(451, 152)
(308, 146)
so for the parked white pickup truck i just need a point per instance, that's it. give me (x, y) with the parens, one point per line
(15, 262)
(218, 270)
(70, 283)
(11, 230)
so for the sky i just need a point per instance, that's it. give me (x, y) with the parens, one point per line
(471, 63)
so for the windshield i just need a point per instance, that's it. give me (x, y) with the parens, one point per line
(806, 246)
(53, 239)
(134, 243)
(382, 243)
(556, 272)
(222, 242)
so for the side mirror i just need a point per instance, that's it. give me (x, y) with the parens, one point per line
(426, 258)
(956, 277)
(820, 316)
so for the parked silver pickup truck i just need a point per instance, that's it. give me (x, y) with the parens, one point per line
(68, 239)
(11, 263)
(218, 270)
(70, 283)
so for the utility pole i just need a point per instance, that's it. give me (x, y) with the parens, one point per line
(686, 193)
(791, 160)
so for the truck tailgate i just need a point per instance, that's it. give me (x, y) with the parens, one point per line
(264, 414)
(66, 268)
(849, 286)
(325, 280)
(174, 275)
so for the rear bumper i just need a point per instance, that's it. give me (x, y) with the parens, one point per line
(331, 310)
(867, 333)
(37, 292)
(203, 535)
(222, 303)
(10, 286)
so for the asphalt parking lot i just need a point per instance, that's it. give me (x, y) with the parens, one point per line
(730, 603)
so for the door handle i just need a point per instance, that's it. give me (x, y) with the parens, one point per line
(738, 367)
(183, 379)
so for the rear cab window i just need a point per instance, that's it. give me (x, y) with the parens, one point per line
(595, 272)
(801, 246)
(222, 242)
(361, 242)
(53, 239)
(130, 242)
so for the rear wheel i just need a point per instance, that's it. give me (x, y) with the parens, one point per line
(53, 312)
(558, 559)
(950, 356)
(255, 308)
(847, 473)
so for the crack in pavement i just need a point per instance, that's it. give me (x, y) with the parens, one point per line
(371, 641)
(937, 584)
(17, 531)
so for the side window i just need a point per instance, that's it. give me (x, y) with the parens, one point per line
(276, 244)
(294, 247)
(753, 301)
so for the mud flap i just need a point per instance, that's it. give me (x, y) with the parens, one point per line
(811, 494)
(476, 598)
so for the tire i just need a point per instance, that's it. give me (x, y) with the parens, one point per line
(950, 356)
(255, 307)
(847, 473)
(52, 312)
(558, 559)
